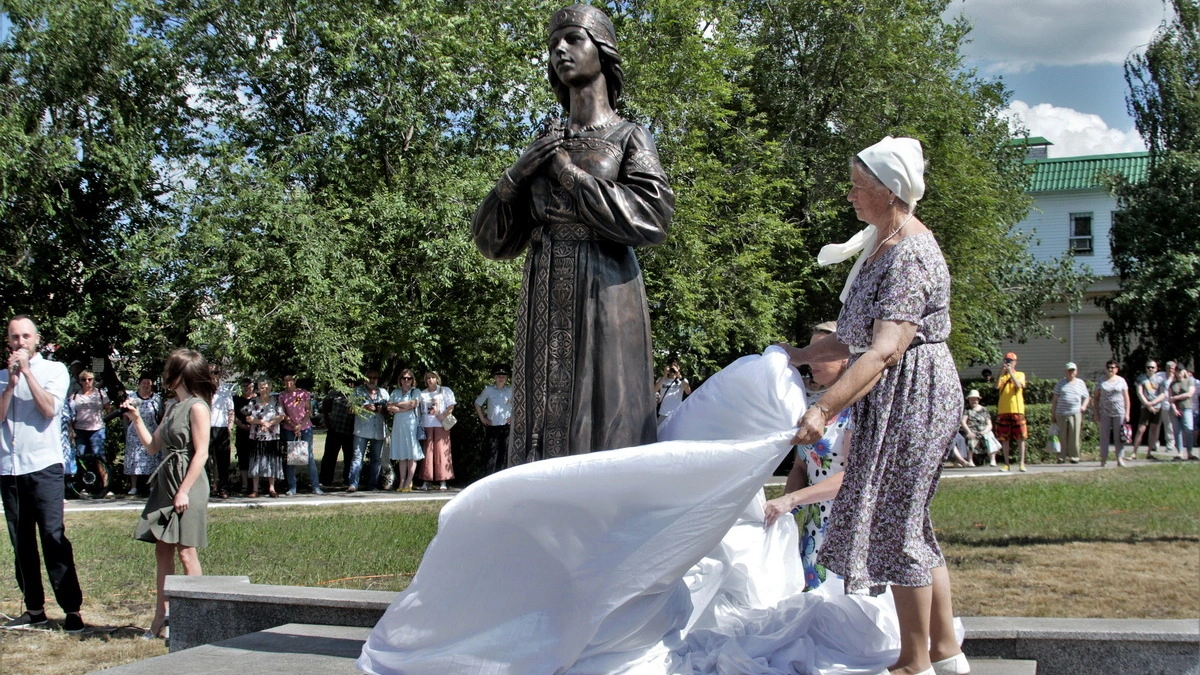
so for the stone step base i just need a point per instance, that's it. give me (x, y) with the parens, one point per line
(985, 666)
(332, 650)
(293, 648)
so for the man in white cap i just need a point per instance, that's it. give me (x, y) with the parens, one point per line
(493, 407)
(1067, 405)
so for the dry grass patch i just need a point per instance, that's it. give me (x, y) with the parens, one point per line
(1150, 579)
(53, 652)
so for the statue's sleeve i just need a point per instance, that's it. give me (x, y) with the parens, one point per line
(501, 225)
(635, 209)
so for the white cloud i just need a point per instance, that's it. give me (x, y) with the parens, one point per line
(1012, 36)
(1073, 133)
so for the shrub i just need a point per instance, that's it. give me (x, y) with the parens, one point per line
(1037, 421)
(1036, 391)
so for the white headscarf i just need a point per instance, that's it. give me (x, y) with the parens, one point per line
(899, 164)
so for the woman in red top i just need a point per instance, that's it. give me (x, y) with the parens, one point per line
(297, 406)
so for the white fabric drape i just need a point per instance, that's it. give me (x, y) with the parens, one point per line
(646, 560)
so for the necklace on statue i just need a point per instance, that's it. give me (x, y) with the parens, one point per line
(889, 237)
(608, 121)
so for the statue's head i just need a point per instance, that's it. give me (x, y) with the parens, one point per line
(600, 29)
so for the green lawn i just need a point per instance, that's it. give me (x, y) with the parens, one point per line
(1148, 502)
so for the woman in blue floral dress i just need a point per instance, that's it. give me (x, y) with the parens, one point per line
(138, 462)
(906, 400)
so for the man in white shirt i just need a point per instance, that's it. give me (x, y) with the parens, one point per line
(218, 440)
(1067, 406)
(32, 391)
(498, 399)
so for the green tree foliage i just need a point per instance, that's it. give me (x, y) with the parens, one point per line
(833, 77)
(289, 185)
(346, 146)
(91, 106)
(1156, 242)
(722, 283)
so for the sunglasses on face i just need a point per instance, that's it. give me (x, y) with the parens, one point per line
(407, 378)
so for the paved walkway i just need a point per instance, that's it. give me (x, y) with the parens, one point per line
(338, 496)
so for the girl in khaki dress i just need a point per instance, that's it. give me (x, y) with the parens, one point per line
(174, 518)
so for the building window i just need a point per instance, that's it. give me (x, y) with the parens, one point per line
(1081, 234)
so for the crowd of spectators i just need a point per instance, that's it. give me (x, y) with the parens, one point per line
(260, 436)
(1165, 415)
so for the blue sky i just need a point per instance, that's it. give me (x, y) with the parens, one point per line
(1063, 62)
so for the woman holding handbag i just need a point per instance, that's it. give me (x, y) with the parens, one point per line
(175, 517)
(91, 405)
(437, 415)
(298, 428)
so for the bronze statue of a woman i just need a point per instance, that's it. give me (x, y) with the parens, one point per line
(580, 199)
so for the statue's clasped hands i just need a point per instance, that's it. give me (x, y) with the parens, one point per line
(544, 149)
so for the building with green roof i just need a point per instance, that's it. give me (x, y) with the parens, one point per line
(1072, 214)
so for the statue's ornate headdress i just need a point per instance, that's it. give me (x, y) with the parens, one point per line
(589, 18)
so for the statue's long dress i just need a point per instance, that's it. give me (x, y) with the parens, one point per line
(582, 371)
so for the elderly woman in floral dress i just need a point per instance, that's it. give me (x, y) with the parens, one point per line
(263, 414)
(907, 403)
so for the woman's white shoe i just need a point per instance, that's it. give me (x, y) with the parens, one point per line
(955, 665)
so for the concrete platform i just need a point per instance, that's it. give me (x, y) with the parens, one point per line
(1089, 646)
(292, 648)
(333, 650)
(211, 610)
(1003, 667)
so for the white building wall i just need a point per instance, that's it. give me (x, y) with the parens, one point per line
(1074, 335)
(1049, 224)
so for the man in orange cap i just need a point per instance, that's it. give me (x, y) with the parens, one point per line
(1010, 420)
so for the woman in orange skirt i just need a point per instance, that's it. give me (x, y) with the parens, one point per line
(437, 403)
